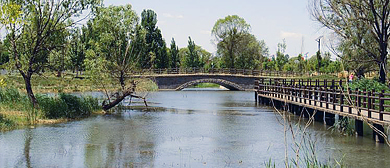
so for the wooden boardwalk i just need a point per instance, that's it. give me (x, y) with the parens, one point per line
(331, 97)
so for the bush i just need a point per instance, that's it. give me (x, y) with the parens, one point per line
(67, 106)
(6, 124)
(368, 84)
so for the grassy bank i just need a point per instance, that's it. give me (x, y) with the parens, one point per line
(49, 83)
(16, 111)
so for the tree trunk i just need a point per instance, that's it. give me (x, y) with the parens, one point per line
(30, 94)
(382, 72)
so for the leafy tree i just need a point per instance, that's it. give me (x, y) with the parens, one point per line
(31, 29)
(174, 55)
(154, 42)
(4, 55)
(77, 49)
(362, 23)
(229, 33)
(192, 56)
(319, 60)
(251, 54)
(281, 58)
(112, 53)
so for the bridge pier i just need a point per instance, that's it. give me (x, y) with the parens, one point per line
(359, 127)
(377, 137)
(329, 118)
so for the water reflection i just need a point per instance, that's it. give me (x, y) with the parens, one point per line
(183, 129)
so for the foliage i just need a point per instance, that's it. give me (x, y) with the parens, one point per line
(174, 55)
(67, 106)
(155, 54)
(231, 36)
(281, 57)
(344, 126)
(192, 57)
(203, 57)
(368, 84)
(366, 27)
(39, 32)
(6, 124)
(112, 54)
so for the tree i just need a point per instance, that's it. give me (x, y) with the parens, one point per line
(174, 55)
(319, 60)
(77, 49)
(112, 54)
(192, 56)
(251, 53)
(32, 31)
(228, 33)
(281, 58)
(155, 44)
(354, 20)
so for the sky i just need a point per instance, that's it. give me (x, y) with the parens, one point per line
(270, 20)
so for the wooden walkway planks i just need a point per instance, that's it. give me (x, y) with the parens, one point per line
(328, 96)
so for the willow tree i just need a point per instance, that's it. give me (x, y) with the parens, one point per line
(357, 20)
(113, 54)
(32, 26)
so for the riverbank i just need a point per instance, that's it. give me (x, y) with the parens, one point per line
(16, 111)
(68, 83)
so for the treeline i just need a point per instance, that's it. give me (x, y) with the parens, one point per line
(80, 47)
(115, 40)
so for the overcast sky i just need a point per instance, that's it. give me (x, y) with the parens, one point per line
(270, 20)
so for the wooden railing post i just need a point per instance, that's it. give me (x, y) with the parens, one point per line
(381, 105)
(334, 97)
(359, 103)
(349, 102)
(326, 98)
(369, 101)
(341, 101)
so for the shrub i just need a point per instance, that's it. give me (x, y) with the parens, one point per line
(67, 106)
(368, 84)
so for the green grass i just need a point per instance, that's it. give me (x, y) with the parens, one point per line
(206, 85)
(17, 111)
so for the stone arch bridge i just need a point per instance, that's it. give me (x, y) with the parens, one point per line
(180, 82)
(232, 79)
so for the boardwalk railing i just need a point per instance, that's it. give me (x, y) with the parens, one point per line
(249, 72)
(331, 96)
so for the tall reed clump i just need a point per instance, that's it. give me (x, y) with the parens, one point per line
(67, 106)
(16, 109)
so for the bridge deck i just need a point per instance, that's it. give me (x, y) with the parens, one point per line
(330, 97)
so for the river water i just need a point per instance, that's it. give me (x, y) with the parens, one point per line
(190, 128)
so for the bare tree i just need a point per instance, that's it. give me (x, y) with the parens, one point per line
(363, 23)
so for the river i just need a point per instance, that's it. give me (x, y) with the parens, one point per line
(190, 128)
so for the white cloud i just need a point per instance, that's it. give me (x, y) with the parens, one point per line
(167, 15)
(284, 34)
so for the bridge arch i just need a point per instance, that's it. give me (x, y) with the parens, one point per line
(227, 84)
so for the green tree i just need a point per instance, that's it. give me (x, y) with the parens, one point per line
(155, 44)
(77, 49)
(32, 33)
(4, 55)
(174, 55)
(354, 20)
(112, 54)
(281, 58)
(251, 54)
(192, 56)
(229, 33)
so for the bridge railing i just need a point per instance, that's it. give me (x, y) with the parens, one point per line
(248, 72)
(333, 95)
